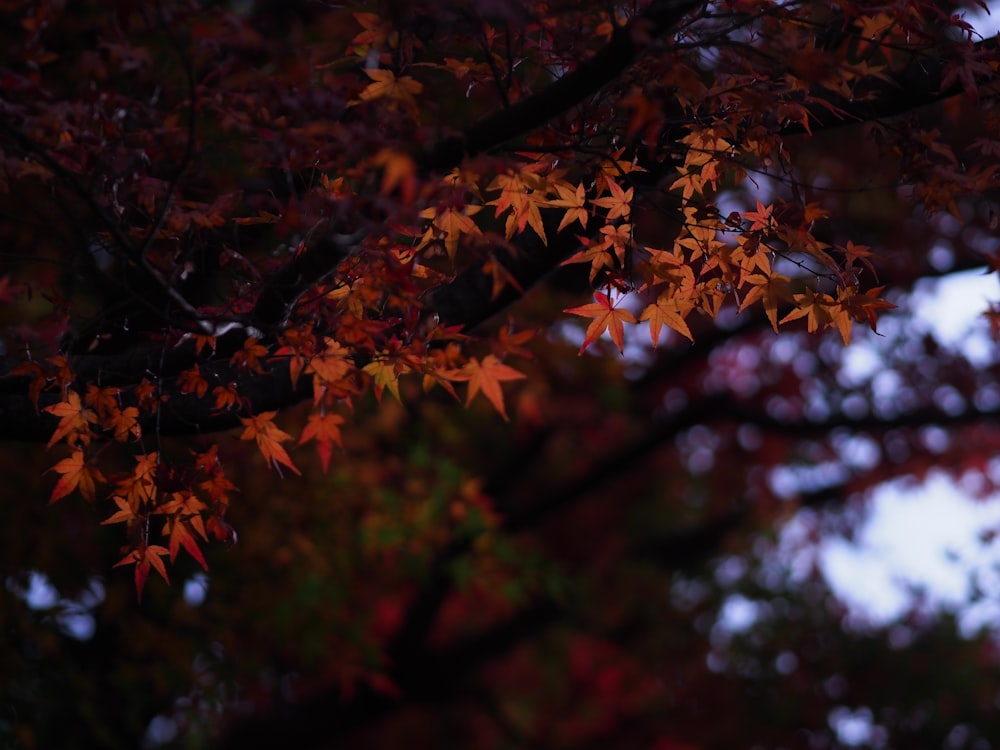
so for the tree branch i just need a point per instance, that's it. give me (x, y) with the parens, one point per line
(626, 45)
(458, 303)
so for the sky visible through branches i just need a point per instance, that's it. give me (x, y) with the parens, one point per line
(923, 539)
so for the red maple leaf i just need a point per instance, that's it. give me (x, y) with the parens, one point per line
(325, 430)
(144, 558)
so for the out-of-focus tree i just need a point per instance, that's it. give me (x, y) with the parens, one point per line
(550, 302)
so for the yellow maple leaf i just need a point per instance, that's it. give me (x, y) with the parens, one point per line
(386, 375)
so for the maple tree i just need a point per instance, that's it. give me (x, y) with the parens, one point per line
(343, 294)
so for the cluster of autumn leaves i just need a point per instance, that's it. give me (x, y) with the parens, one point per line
(147, 500)
(185, 517)
(338, 340)
(714, 259)
(711, 260)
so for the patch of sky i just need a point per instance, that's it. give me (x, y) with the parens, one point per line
(73, 616)
(919, 546)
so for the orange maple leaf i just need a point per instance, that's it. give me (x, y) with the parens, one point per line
(771, 291)
(860, 307)
(149, 396)
(523, 194)
(399, 170)
(180, 536)
(502, 278)
(298, 344)
(666, 310)
(377, 31)
(598, 255)
(325, 430)
(125, 422)
(689, 181)
(528, 216)
(515, 190)
(269, 438)
(606, 317)
(125, 513)
(249, 356)
(452, 223)
(140, 487)
(814, 307)
(618, 239)
(619, 203)
(486, 376)
(873, 29)
(386, 85)
(74, 420)
(574, 201)
(191, 381)
(185, 504)
(144, 558)
(855, 253)
(510, 342)
(333, 364)
(75, 475)
(226, 396)
(437, 374)
(103, 401)
(218, 488)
